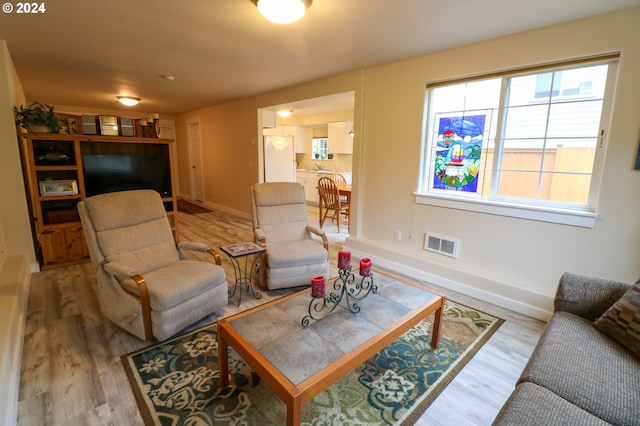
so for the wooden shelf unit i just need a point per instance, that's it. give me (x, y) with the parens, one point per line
(55, 222)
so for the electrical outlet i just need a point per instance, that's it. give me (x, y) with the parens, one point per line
(397, 235)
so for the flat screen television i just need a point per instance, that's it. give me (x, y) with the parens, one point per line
(112, 173)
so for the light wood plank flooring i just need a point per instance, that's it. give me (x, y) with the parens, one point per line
(72, 374)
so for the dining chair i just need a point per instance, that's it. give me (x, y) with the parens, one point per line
(341, 181)
(331, 200)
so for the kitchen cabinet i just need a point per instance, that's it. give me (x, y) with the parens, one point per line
(300, 139)
(310, 182)
(268, 119)
(340, 141)
(63, 246)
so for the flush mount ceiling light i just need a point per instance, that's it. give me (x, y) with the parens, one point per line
(282, 11)
(285, 112)
(128, 100)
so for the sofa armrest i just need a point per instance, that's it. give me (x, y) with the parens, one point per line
(260, 236)
(587, 297)
(193, 246)
(119, 270)
(320, 233)
(202, 248)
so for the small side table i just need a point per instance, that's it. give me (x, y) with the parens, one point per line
(251, 252)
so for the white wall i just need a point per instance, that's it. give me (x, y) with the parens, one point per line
(513, 261)
(17, 256)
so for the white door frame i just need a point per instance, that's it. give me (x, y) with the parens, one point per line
(194, 147)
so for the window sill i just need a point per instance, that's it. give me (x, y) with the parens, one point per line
(582, 219)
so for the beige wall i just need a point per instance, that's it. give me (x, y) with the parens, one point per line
(14, 215)
(514, 258)
(511, 261)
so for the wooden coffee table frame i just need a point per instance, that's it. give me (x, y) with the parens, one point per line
(295, 396)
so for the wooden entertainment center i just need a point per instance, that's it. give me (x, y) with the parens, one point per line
(57, 178)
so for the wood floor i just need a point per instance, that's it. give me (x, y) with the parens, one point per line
(72, 374)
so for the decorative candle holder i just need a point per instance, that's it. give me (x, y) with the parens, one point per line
(345, 286)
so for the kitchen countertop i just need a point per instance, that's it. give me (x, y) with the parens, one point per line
(327, 172)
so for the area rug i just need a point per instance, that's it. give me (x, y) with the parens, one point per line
(176, 382)
(190, 208)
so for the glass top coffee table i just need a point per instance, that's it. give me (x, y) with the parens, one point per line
(298, 362)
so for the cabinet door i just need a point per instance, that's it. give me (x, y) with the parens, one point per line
(340, 141)
(63, 245)
(76, 246)
(304, 180)
(308, 190)
(53, 244)
(300, 139)
(268, 118)
(315, 197)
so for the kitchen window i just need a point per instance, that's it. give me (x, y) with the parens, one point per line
(319, 149)
(526, 144)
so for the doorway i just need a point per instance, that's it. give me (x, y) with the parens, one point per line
(195, 159)
(309, 119)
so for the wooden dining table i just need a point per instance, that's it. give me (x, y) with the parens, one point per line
(344, 190)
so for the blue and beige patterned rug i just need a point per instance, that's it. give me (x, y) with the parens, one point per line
(176, 382)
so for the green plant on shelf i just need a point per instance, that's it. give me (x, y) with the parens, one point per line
(37, 118)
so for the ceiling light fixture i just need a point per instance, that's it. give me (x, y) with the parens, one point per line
(285, 112)
(128, 100)
(282, 11)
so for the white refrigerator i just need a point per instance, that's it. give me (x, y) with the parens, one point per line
(279, 159)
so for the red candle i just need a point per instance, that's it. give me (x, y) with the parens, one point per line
(344, 259)
(317, 286)
(365, 267)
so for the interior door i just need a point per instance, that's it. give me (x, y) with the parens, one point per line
(279, 159)
(195, 160)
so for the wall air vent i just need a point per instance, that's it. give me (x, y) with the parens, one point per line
(441, 244)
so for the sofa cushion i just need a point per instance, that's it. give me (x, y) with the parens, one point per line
(622, 320)
(168, 286)
(280, 211)
(287, 254)
(587, 368)
(530, 404)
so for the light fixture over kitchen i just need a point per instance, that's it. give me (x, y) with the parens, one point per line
(282, 11)
(128, 100)
(285, 112)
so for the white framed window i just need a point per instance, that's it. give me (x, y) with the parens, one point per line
(527, 144)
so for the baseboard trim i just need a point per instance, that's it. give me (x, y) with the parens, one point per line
(519, 306)
(225, 209)
(214, 206)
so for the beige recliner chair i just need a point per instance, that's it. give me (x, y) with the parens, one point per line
(144, 283)
(292, 258)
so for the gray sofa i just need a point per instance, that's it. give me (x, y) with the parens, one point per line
(577, 375)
